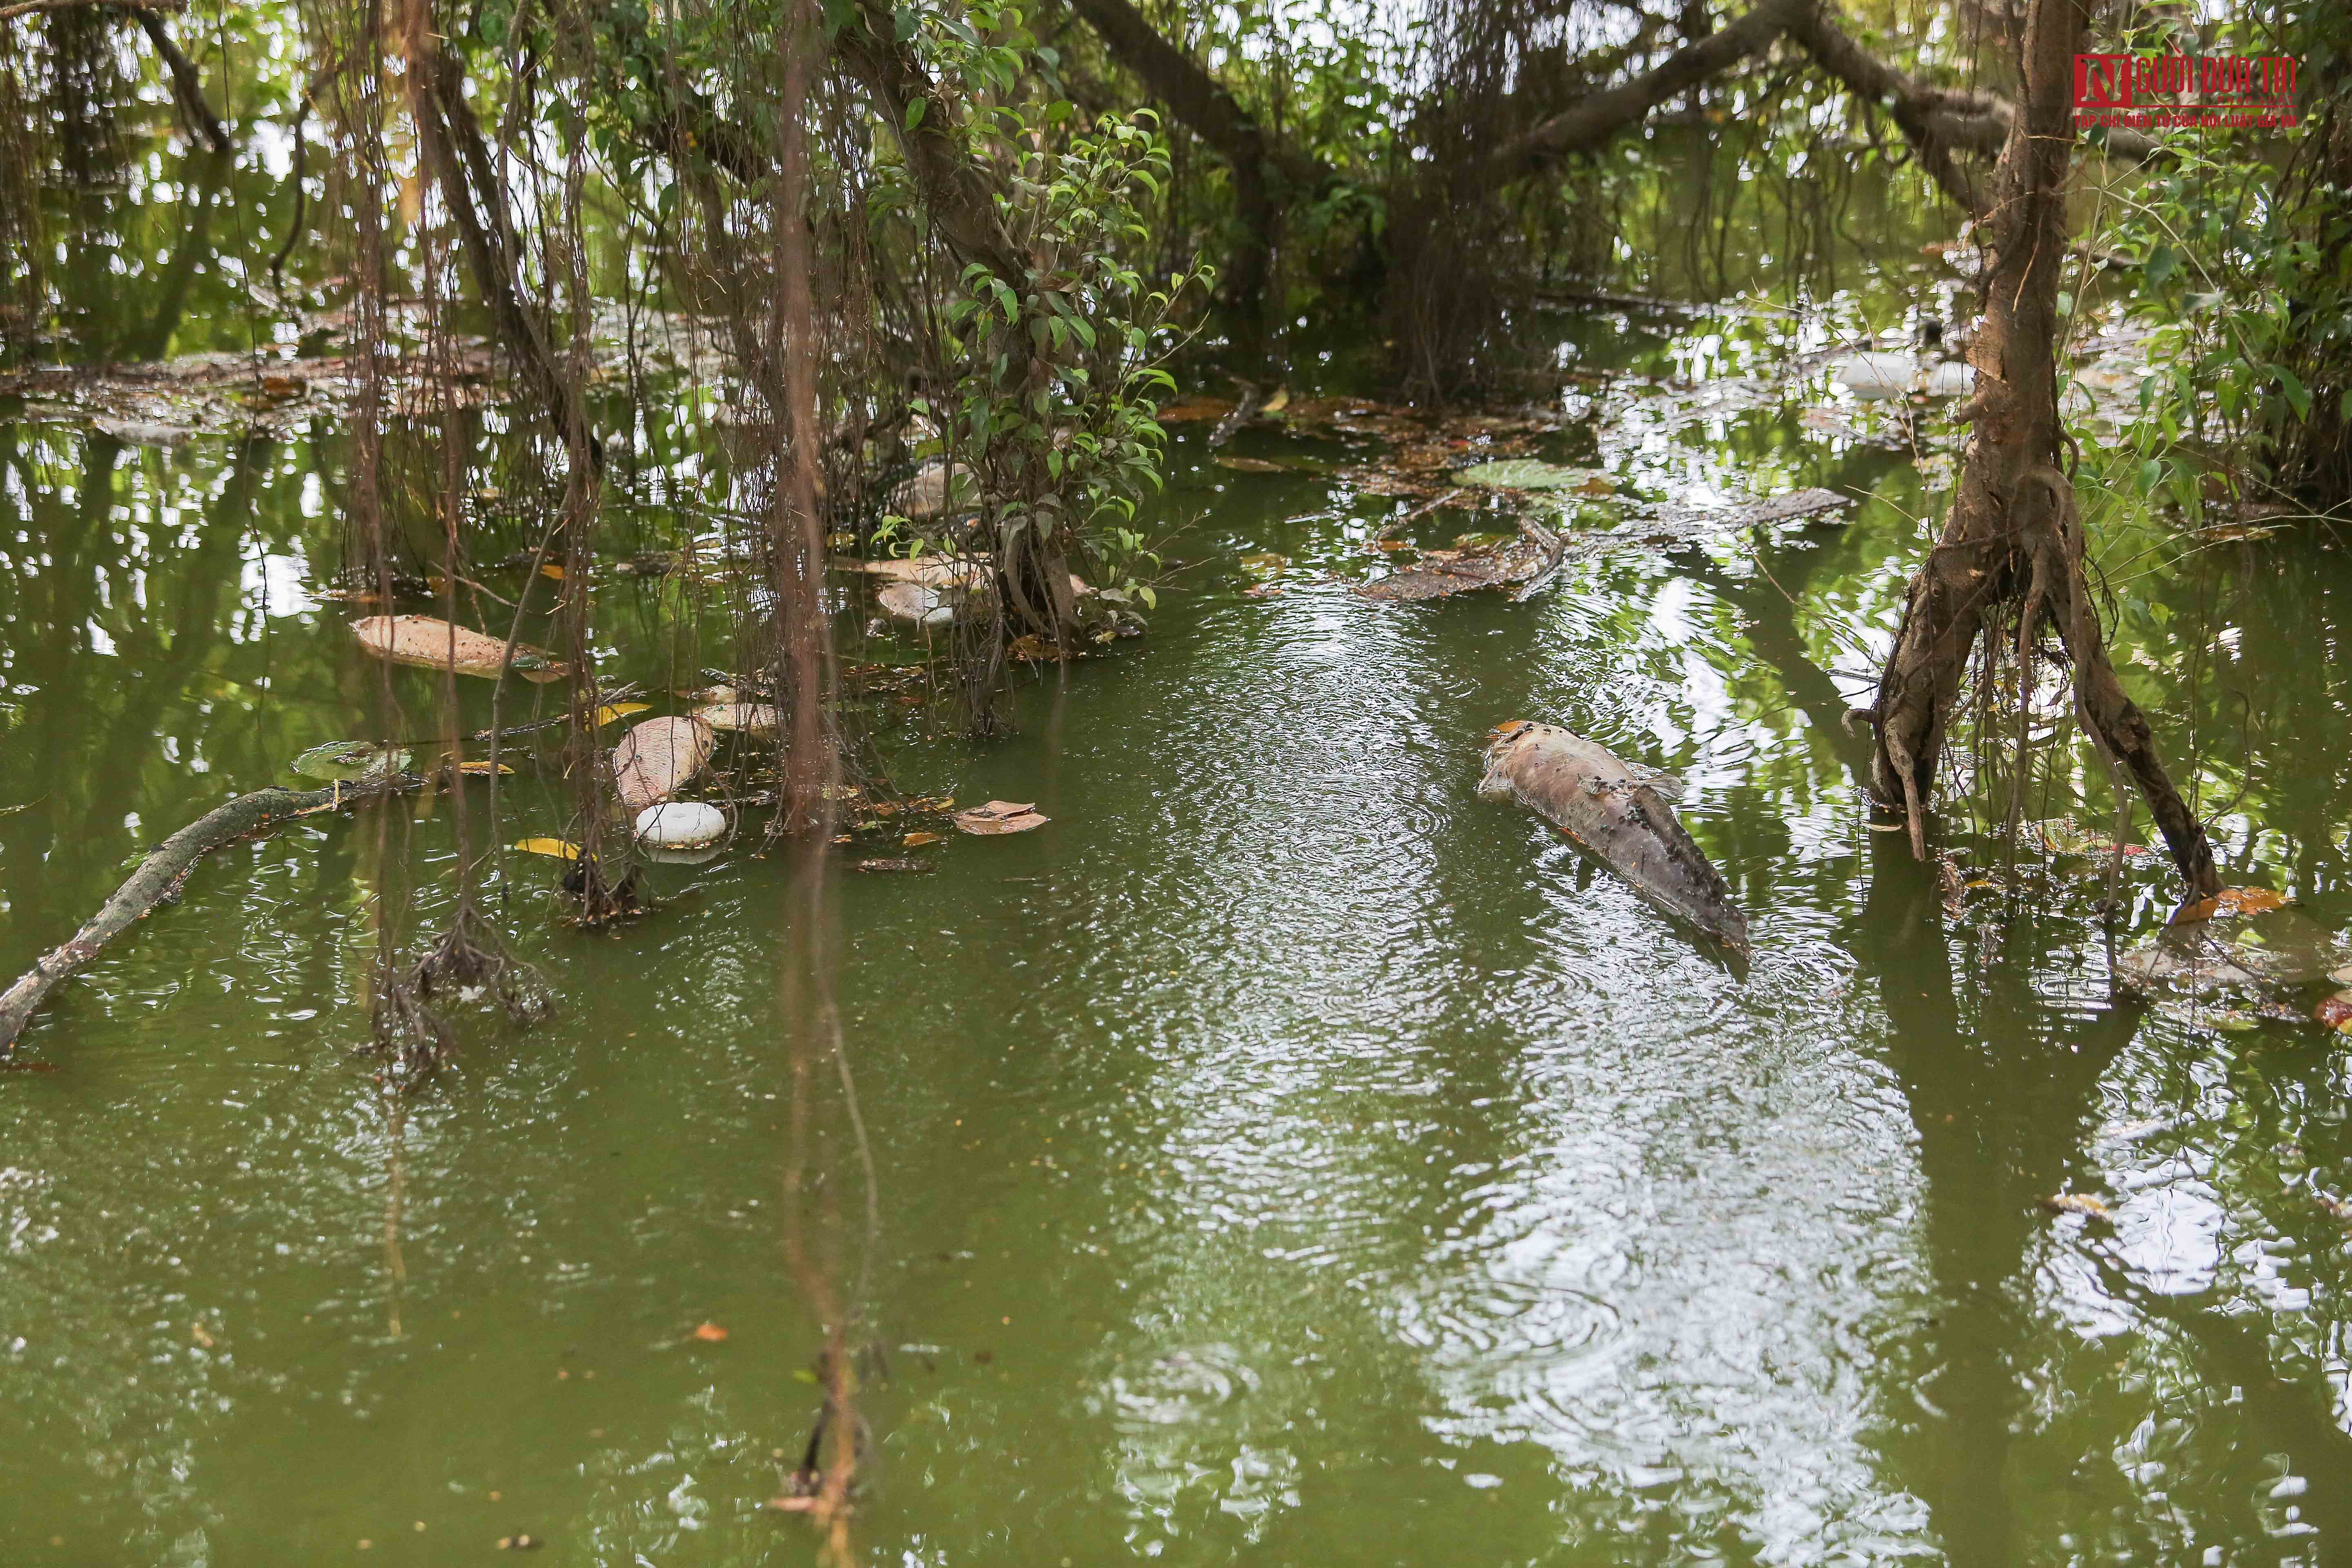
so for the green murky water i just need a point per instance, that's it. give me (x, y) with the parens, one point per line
(1284, 1156)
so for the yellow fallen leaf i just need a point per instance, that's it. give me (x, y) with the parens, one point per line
(482, 769)
(1277, 403)
(555, 847)
(612, 710)
(550, 569)
(2231, 901)
(915, 840)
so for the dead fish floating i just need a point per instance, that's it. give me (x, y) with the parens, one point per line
(1616, 811)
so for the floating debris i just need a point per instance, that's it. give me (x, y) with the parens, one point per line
(681, 825)
(353, 760)
(739, 718)
(1000, 817)
(657, 758)
(430, 644)
(1527, 474)
(1618, 812)
(2261, 953)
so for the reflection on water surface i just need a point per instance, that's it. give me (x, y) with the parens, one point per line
(1285, 1155)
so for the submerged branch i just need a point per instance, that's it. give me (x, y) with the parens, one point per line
(161, 876)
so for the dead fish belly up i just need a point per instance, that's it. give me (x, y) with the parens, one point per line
(1616, 811)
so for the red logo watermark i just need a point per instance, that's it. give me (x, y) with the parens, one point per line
(2155, 92)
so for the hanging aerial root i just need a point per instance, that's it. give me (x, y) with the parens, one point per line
(165, 872)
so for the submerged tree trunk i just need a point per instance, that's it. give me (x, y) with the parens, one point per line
(2014, 535)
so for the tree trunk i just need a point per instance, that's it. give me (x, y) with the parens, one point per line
(2013, 534)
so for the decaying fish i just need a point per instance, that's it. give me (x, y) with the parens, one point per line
(1619, 812)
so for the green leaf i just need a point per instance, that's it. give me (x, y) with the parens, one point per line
(2298, 397)
(915, 108)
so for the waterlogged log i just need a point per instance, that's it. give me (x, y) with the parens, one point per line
(1616, 811)
(162, 873)
(657, 758)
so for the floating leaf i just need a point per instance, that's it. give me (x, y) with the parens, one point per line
(1194, 410)
(352, 760)
(710, 1333)
(743, 718)
(431, 644)
(1000, 816)
(481, 769)
(930, 570)
(917, 840)
(1277, 403)
(2081, 1204)
(554, 846)
(2231, 901)
(1527, 474)
(655, 759)
(612, 710)
(2065, 835)
(1250, 464)
(917, 603)
(552, 569)
(932, 489)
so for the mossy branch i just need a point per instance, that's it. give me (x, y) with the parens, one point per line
(161, 876)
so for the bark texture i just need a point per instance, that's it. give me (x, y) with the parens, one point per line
(2013, 537)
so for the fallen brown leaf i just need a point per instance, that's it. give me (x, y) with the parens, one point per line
(1000, 816)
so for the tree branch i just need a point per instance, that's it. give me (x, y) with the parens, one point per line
(1937, 121)
(34, 7)
(1589, 124)
(161, 876)
(1199, 103)
(187, 86)
(957, 199)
